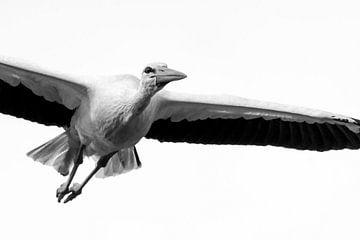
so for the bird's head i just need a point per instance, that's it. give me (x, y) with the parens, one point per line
(156, 75)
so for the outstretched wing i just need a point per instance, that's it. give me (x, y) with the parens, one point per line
(233, 120)
(37, 94)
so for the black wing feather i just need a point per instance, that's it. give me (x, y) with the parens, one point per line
(257, 131)
(21, 102)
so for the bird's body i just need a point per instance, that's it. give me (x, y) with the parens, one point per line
(105, 117)
(110, 118)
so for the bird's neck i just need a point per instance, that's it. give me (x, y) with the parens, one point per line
(142, 99)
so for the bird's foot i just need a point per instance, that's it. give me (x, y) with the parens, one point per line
(75, 191)
(62, 191)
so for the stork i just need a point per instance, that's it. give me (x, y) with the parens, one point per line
(105, 117)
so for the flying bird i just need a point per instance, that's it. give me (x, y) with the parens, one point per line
(105, 117)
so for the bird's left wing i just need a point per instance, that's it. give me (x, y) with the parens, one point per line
(211, 119)
(38, 94)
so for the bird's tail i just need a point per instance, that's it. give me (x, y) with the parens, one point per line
(59, 152)
(121, 162)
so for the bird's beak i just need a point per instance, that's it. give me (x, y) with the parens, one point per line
(166, 75)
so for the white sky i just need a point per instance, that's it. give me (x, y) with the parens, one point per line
(304, 53)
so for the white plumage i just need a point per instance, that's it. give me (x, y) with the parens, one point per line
(191, 107)
(105, 117)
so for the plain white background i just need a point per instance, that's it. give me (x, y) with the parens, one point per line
(303, 53)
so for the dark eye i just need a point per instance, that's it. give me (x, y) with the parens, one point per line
(148, 70)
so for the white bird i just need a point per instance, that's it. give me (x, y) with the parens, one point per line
(105, 117)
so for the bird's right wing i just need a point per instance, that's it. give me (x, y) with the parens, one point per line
(222, 119)
(38, 94)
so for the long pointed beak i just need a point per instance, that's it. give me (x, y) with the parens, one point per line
(166, 75)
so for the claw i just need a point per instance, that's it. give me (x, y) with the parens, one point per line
(75, 191)
(62, 191)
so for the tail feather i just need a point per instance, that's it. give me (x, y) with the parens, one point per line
(121, 162)
(60, 152)
(57, 153)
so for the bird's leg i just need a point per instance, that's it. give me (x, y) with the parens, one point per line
(64, 188)
(137, 158)
(77, 188)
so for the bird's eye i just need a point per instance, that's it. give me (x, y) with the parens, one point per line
(148, 70)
